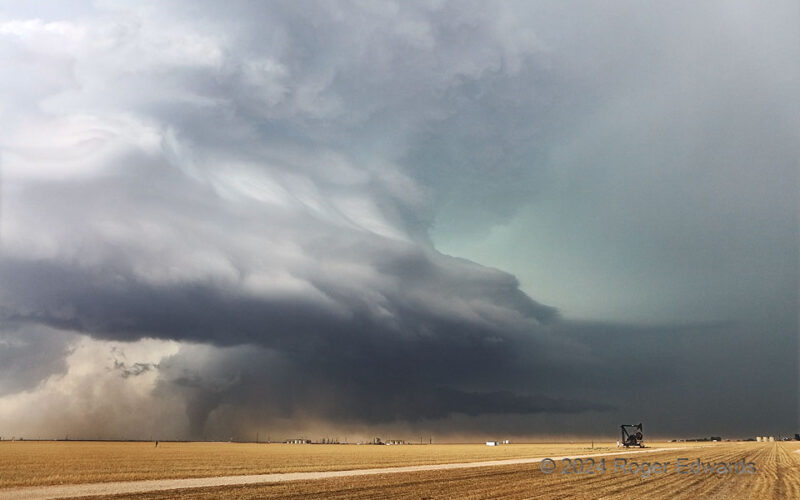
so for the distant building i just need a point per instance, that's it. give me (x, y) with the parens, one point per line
(506, 441)
(298, 441)
(491, 443)
(395, 441)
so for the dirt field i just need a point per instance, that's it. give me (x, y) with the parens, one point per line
(30, 463)
(777, 476)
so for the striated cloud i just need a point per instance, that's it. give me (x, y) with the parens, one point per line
(234, 218)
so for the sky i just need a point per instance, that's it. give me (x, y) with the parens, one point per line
(461, 220)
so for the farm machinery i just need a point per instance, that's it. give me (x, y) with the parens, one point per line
(632, 435)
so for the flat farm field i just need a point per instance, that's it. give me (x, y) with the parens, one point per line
(776, 476)
(37, 463)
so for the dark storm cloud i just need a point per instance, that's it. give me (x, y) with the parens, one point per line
(258, 181)
(263, 385)
(441, 324)
(29, 354)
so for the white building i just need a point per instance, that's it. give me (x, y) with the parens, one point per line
(491, 443)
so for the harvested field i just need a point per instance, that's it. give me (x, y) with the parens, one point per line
(777, 473)
(777, 476)
(34, 463)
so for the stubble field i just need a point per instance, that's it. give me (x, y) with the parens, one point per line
(777, 470)
(34, 463)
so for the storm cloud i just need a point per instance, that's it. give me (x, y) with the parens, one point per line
(301, 215)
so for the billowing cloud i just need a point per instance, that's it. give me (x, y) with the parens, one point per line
(232, 208)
